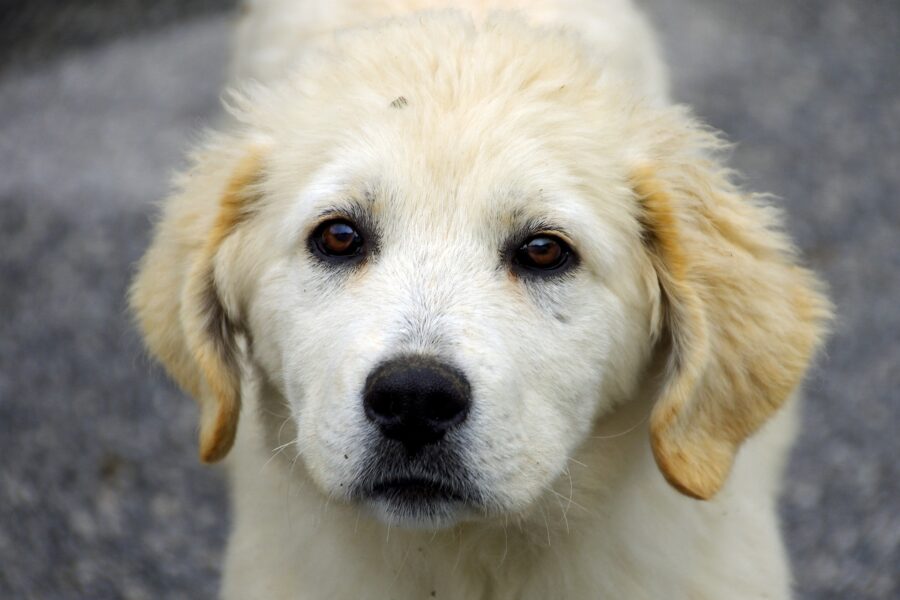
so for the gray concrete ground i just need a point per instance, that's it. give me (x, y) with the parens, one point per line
(100, 493)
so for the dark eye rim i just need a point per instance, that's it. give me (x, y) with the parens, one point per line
(316, 247)
(568, 261)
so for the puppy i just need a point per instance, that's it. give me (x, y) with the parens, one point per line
(496, 321)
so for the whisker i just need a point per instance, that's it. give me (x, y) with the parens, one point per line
(276, 452)
(505, 539)
(402, 564)
(620, 434)
(547, 525)
(273, 413)
(569, 500)
(459, 548)
(281, 429)
(565, 510)
(290, 486)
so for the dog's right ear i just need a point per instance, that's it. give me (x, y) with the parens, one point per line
(177, 300)
(742, 318)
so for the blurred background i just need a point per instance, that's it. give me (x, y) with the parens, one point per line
(101, 495)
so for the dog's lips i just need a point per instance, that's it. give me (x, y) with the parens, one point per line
(432, 489)
(416, 490)
(419, 502)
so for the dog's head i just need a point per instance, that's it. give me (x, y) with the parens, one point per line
(449, 251)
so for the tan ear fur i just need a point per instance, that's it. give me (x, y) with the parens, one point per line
(176, 299)
(743, 319)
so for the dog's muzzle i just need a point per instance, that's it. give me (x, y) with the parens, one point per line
(415, 471)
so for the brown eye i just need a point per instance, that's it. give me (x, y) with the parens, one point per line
(543, 253)
(337, 238)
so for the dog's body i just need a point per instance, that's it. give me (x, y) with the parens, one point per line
(440, 137)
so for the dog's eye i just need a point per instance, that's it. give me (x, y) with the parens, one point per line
(337, 238)
(543, 252)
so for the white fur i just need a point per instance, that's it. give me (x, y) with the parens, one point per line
(274, 35)
(558, 436)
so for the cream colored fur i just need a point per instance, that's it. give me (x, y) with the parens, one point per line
(630, 421)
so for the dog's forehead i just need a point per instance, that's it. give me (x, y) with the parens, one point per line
(403, 182)
(453, 155)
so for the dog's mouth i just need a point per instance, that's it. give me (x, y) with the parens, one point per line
(417, 490)
(431, 489)
(418, 502)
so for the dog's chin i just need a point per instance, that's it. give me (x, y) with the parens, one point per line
(423, 516)
(417, 504)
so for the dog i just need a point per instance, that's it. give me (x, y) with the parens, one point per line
(497, 322)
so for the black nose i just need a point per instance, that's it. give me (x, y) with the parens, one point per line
(415, 399)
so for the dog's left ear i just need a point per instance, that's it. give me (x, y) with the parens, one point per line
(177, 297)
(742, 319)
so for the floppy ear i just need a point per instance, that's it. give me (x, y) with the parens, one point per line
(177, 300)
(742, 319)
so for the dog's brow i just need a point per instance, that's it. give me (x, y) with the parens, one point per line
(530, 225)
(350, 208)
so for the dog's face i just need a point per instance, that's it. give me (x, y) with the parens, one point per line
(451, 252)
(446, 307)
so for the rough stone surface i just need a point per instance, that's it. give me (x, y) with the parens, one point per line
(35, 30)
(100, 492)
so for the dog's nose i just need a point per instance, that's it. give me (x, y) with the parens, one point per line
(416, 400)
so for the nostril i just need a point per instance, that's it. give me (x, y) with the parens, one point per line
(381, 406)
(415, 399)
(446, 408)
